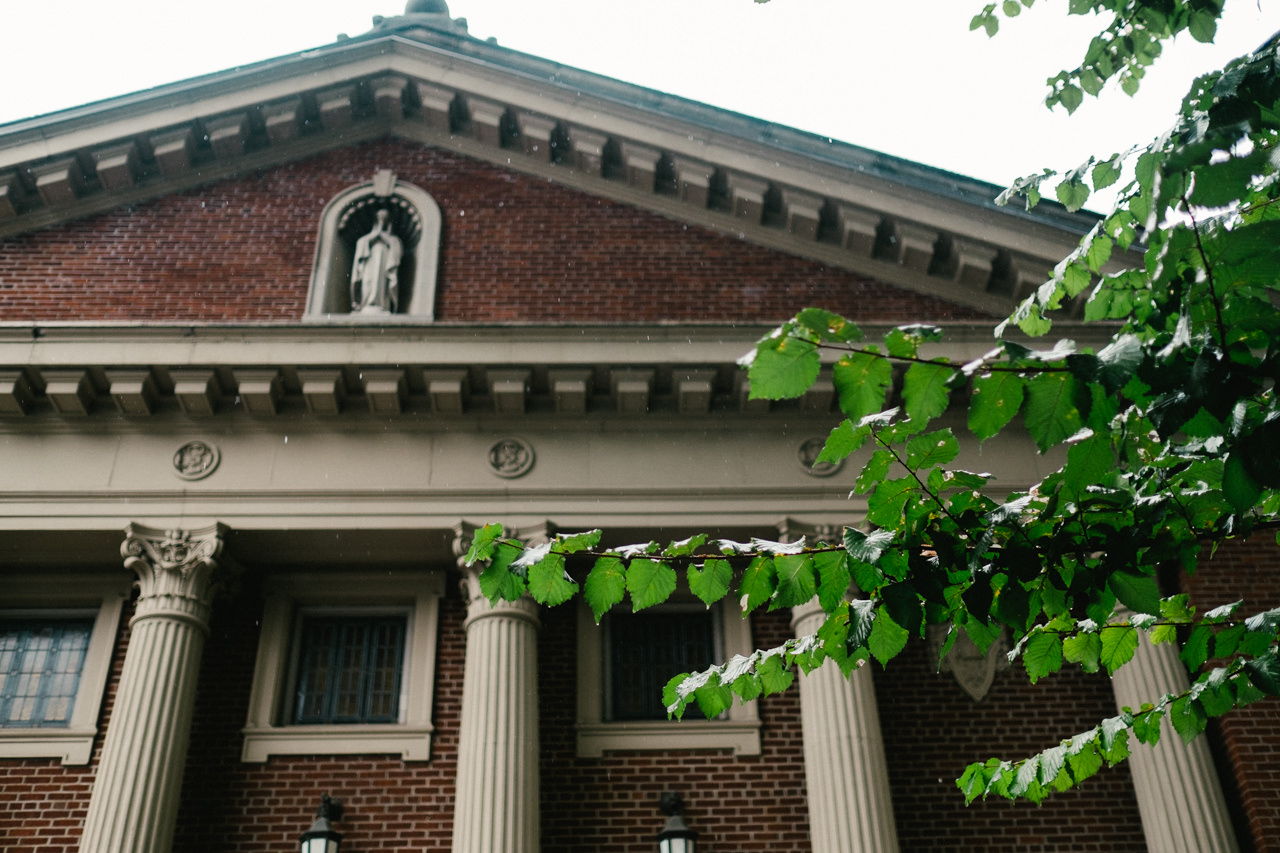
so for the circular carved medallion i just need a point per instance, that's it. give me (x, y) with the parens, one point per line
(511, 457)
(195, 460)
(808, 453)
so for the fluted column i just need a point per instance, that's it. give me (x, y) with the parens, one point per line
(139, 778)
(850, 809)
(1179, 796)
(496, 806)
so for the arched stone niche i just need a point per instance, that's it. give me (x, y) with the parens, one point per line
(413, 218)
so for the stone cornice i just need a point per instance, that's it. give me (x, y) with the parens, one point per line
(921, 229)
(69, 372)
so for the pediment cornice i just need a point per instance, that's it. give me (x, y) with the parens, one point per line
(75, 374)
(918, 228)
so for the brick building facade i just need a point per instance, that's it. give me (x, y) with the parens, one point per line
(581, 262)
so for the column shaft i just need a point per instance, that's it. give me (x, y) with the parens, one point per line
(496, 809)
(135, 796)
(847, 777)
(1179, 796)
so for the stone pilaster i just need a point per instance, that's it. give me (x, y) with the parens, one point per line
(139, 779)
(496, 806)
(1179, 796)
(850, 809)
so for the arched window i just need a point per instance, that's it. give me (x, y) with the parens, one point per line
(377, 254)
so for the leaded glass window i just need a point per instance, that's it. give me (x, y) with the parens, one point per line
(40, 666)
(646, 650)
(349, 669)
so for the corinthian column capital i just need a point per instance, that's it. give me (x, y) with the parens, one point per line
(477, 605)
(178, 571)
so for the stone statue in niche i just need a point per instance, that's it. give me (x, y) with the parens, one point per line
(375, 287)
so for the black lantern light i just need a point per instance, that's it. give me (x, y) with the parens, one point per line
(321, 837)
(675, 837)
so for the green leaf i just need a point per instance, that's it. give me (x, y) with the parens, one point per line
(829, 326)
(1042, 656)
(1203, 25)
(1118, 646)
(1051, 414)
(1084, 649)
(862, 618)
(1195, 651)
(935, 448)
(997, 397)
(861, 381)
(874, 471)
(884, 507)
(1264, 673)
(887, 638)
(1072, 194)
(482, 543)
(843, 441)
(497, 581)
(774, 677)
(1071, 98)
(549, 584)
(605, 586)
(903, 605)
(745, 683)
(924, 390)
(1188, 718)
(685, 547)
(649, 582)
(710, 581)
(833, 578)
(757, 583)
(783, 367)
(572, 543)
(1238, 486)
(1088, 462)
(672, 698)
(1105, 172)
(1084, 760)
(796, 583)
(1140, 593)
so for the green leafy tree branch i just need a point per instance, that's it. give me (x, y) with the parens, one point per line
(1167, 437)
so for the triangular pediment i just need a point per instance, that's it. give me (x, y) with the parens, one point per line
(904, 224)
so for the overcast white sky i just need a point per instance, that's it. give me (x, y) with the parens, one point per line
(905, 77)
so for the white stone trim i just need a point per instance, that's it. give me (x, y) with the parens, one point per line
(738, 729)
(54, 596)
(286, 595)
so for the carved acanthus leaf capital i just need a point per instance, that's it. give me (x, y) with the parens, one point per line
(477, 605)
(178, 571)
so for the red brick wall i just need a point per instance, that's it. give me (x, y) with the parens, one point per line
(391, 805)
(513, 248)
(932, 730)
(743, 804)
(1248, 739)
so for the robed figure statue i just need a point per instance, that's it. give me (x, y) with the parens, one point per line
(375, 287)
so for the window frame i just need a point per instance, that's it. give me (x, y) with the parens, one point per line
(55, 596)
(738, 729)
(288, 597)
(350, 615)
